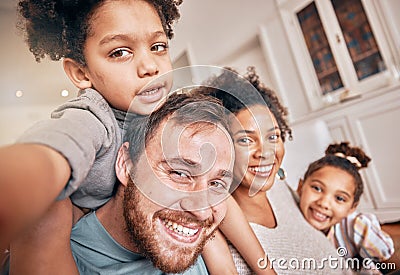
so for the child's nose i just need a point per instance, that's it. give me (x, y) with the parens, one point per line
(324, 202)
(147, 66)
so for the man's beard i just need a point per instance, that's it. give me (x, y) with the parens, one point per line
(169, 259)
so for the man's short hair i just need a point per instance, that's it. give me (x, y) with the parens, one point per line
(186, 109)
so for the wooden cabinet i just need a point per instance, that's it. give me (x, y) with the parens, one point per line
(341, 48)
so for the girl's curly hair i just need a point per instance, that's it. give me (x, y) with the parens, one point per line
(345, 157)
(59, 28)
(238, 92)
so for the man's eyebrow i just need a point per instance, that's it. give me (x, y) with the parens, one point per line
(127, 37)
(195, 166)
(182, 161)
(225, 173)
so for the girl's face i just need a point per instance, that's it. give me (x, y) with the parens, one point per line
(259, 148)
(326, 197)
(126, 49)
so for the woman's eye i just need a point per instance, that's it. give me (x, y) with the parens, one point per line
(244, 140)
(274, 137)
(159, 47)
(118, 53)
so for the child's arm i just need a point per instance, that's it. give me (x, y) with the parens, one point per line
(45, 248)
(371, 240)
(217, 256)
(237, 229)
(31, 178)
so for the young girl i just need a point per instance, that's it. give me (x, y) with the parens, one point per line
(329, 194)
(110, 50)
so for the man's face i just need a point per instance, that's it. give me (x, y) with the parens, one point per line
(177, 200)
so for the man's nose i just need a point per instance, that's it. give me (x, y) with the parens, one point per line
(198, 204)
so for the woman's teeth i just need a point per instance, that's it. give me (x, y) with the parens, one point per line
(181, 230)
(261, 169)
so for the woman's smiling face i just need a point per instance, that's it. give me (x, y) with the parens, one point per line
(259, 148)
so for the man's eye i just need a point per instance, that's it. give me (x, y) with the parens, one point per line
(159, 47)
(119, 53)
(178, 174)
(218, 185)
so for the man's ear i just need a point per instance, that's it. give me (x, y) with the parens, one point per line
(76, 74)
(122, 164)
(299, 187)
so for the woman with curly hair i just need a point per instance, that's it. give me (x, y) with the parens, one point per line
(329, 194)
(259, 129)
(111, 51)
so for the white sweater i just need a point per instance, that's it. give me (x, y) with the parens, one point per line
(293, 246)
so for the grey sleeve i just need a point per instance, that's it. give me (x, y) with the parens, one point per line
(80, 130)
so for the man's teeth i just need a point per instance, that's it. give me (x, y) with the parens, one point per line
(181, 230)
(261, 169)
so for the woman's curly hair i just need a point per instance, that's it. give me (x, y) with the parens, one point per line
(342, 156)
(238, 92)
(59, 28)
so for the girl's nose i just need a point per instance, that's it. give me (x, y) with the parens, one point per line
(324, 202)
(147, 66)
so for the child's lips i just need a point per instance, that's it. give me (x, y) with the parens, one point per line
(319, 216)
(152, 94)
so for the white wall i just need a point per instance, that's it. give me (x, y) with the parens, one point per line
(40, 82)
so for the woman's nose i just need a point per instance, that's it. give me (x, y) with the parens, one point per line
(264, 151)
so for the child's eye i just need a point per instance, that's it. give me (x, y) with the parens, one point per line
(341, 199)
(118, 53)
(316, 188)
(159, 47)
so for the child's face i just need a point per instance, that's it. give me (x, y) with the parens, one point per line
(126, 49)
(326, 197)
(259, 148)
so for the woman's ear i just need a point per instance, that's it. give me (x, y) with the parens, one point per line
(76, 74)
(122, 166)
(299, 187)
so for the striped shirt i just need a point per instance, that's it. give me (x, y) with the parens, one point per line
(361, 236)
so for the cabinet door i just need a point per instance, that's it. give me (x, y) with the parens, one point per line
(339, 48)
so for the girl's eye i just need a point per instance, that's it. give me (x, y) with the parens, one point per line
(341, 199)
(159, 47)
(316, 188)
(118, 53)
